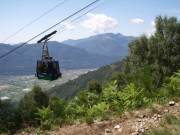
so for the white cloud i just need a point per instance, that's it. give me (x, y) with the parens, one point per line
(152, 30)
(153, 23)
(68, 26)
(136, 21)
(99, 22)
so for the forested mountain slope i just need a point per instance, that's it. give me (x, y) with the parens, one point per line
(70, 88)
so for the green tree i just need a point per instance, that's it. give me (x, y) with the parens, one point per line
(160, 52)
(58, 106)
(29, 105)
(138, 52)
(94, 86)
(10, 120)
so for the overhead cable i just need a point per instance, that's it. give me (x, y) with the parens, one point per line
(53, 26)
(34, 20)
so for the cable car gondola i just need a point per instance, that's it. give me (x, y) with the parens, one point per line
(47, 68)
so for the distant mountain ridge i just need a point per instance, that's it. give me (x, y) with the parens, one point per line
(92, 52)
(108, 44)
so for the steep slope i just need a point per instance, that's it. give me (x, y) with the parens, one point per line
(157, 120)
(108, 44)
(70, 88)
(165, 121)
(23, 61)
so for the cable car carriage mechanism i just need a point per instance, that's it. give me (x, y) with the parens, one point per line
(47, 68)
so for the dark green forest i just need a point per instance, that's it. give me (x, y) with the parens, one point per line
(149, 74)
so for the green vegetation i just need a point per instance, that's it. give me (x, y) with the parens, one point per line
(71, 88)
(45, 116)
(159, 54)
(10, 119)
(154, 58)
(169, 126)
(149, 74)
(28, 106)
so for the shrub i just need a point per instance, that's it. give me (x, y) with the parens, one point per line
(94, 86)
(57, 105)
(98, 111)
(39, 96)
(45, 115)
(132, 96)
(112, 97)
(87, 99)
(174, 84)
(74, 111)
(120, 79)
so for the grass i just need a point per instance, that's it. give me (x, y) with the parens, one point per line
(169, 126)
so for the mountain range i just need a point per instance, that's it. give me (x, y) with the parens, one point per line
(91, 52)
(108, 44)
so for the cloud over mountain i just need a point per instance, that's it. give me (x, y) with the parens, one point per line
(99, 23)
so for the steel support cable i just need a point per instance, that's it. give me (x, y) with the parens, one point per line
(34, 20)
(46, 30)
(79, 17)
(62, 29)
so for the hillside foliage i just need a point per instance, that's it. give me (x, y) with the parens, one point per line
(150, 73)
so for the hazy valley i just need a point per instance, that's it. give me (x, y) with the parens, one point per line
(14, 87)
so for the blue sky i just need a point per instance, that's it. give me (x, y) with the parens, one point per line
(129, 17)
